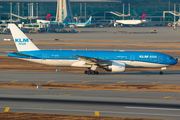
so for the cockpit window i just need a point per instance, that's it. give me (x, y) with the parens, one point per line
(171, 58)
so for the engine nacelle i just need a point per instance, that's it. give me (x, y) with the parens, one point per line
(115, 24)
(117, 67)
(72, 26)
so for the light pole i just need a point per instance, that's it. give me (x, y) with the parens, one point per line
(179, 11)
(11, 11)
(18, 11)
(129, 9)
(174, 16)
(123, 11)
(85, 11)
(80, 9)
(28, 9)
(37, 10)
(32, 10)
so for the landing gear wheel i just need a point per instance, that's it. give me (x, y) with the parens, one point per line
(92, 72)
(96, 72)
(89, 72)
(86, 72)
(161, 72)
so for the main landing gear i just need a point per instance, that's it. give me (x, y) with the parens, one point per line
(91, 72)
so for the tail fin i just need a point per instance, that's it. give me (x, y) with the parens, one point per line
(143, 16)
(66, 20)
(89, 21)
(48, 16)
(23, 43)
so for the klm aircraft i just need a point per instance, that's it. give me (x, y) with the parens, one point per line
(113, 61)
(72, 25)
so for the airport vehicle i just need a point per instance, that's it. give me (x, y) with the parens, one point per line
(73, 25)
(131, 22)
(113, 61)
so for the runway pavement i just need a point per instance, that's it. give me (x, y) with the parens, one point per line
(2, 53)
(91, 48)
(169, 77)
(108, 103)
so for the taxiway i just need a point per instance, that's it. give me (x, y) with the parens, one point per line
(153, 77)
(107, 103)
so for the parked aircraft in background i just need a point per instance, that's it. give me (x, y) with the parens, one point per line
(73, 25)
(53, 22)
(113, 61)
(131, 22)
(48, 17)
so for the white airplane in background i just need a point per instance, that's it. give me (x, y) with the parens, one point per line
(53, 22)
(132, 22)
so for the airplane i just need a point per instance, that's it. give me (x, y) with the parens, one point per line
(53, 22)
(73, 25)
(131, 22)
(112, 61)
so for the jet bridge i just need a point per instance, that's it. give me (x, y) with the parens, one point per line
(172, 13)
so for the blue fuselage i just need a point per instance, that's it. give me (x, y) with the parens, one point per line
(126, 56)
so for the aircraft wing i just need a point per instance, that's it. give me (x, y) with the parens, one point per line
(92, 61)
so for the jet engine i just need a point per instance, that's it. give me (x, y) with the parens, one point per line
(117, 67)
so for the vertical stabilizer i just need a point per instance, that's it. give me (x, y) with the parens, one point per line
(143, 16)
(48, 17)
(23, 43)
(66, 20)
(89, 21)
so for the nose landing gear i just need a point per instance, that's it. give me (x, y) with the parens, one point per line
(161, 72)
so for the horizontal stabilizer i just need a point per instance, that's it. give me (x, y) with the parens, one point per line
(20, 54)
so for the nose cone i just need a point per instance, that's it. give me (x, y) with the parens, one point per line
(175, 61)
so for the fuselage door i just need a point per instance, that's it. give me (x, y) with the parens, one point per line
(160, 59)
(132, 58)
(44, 56)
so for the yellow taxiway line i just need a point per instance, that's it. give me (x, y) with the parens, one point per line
(6, 109)
(121, 82)
(15, 81)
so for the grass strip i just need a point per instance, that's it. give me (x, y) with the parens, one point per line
(44, 116)
(100, 45)
(79, 86)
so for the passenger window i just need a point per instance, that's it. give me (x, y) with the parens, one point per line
(171, 58)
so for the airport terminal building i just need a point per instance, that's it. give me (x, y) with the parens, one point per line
(99, 9)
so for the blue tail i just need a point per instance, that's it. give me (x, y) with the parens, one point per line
(89, 21)
(66, 20)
